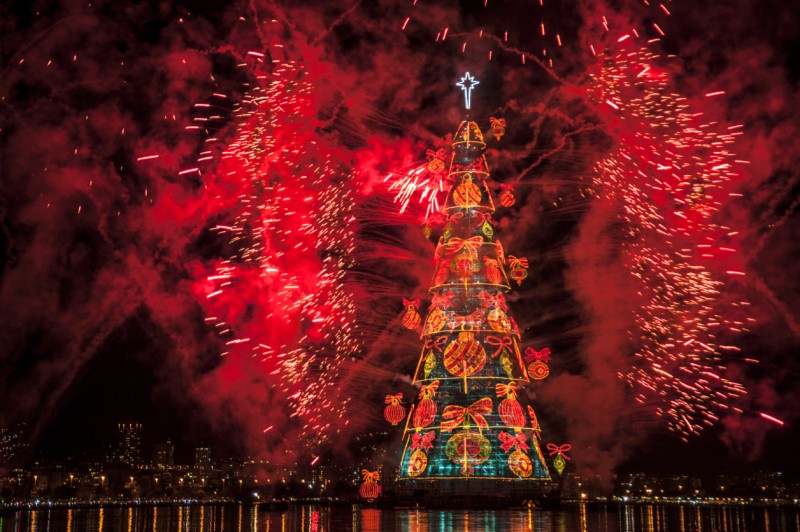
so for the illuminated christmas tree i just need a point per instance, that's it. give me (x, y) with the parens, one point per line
(471, 420)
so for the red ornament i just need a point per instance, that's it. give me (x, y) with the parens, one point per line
(467, 193)
(370, 489)
(394, 412)
(426, 409)
(512, 414)
(509, 409)
(436, 161)
(411, 318)
(492, 270)
(442, 273)
(465, 356)
(498, 126)
(519, 268)
(507, 198)
(538, 368)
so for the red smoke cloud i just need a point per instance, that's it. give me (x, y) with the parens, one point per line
(95, 230)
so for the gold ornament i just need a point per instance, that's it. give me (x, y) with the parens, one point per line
(520, 464)
(430, 364)
(417, 463)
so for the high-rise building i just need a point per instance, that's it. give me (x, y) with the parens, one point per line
(202, 458)
(129, 444)
(164, 455)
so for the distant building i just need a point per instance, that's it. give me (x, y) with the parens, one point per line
(164, 455)
(129, 443)
(202, 458)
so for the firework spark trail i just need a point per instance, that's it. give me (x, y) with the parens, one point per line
(281, 297)
(669, 174)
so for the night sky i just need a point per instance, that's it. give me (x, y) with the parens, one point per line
(108, 314)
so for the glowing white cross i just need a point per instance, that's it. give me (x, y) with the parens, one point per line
(467, 83)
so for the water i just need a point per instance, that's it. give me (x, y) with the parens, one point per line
(247, 518)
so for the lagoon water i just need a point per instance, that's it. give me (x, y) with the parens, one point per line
(310, 518)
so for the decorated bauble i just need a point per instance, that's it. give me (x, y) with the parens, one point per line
(465, 356)
(394, 411)
(467, 193)
(538, 370)
(492, 271)
(512, 414)
(498, 126)
(468, 449)
(441, 273)
(518, 274)
(498, 320)
(411, 318)
(370, 489)
(426, 231)
(507, 365)
(430, 364)
(519, 268)
(507, 198)
(436, 166)
(424, 413)
(417, 463)
(435, 322)
(487, 229)
(464, 265)
(559, 463)
(520, 464)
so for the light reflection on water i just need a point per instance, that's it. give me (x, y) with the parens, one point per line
(249, 518)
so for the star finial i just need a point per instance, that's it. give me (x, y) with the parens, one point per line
(467, 83)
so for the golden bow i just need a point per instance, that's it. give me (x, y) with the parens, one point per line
(517, 262)
(429, 390)
(394, 399)
(456, 414)
(507, 390)
(470, 245)
(371, 476)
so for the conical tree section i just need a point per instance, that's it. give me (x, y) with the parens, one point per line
(470, 420)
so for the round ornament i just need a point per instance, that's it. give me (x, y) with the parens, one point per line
(417, 463)
(369, 490)
(424, 413)
(411, 318)
(467, 193)
(507, 198)
(487, 230)
(519, 274)
(465, 356)
(538, 370)
(468, 449)
(436, 166)
(512, 414)
(498, 320)
(520, 464)
(435, 322)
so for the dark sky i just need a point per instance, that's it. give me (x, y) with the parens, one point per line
(105, 252)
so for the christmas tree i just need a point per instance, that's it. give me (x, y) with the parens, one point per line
(471, 420)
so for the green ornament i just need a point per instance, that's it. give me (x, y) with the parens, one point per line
(559, 463)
